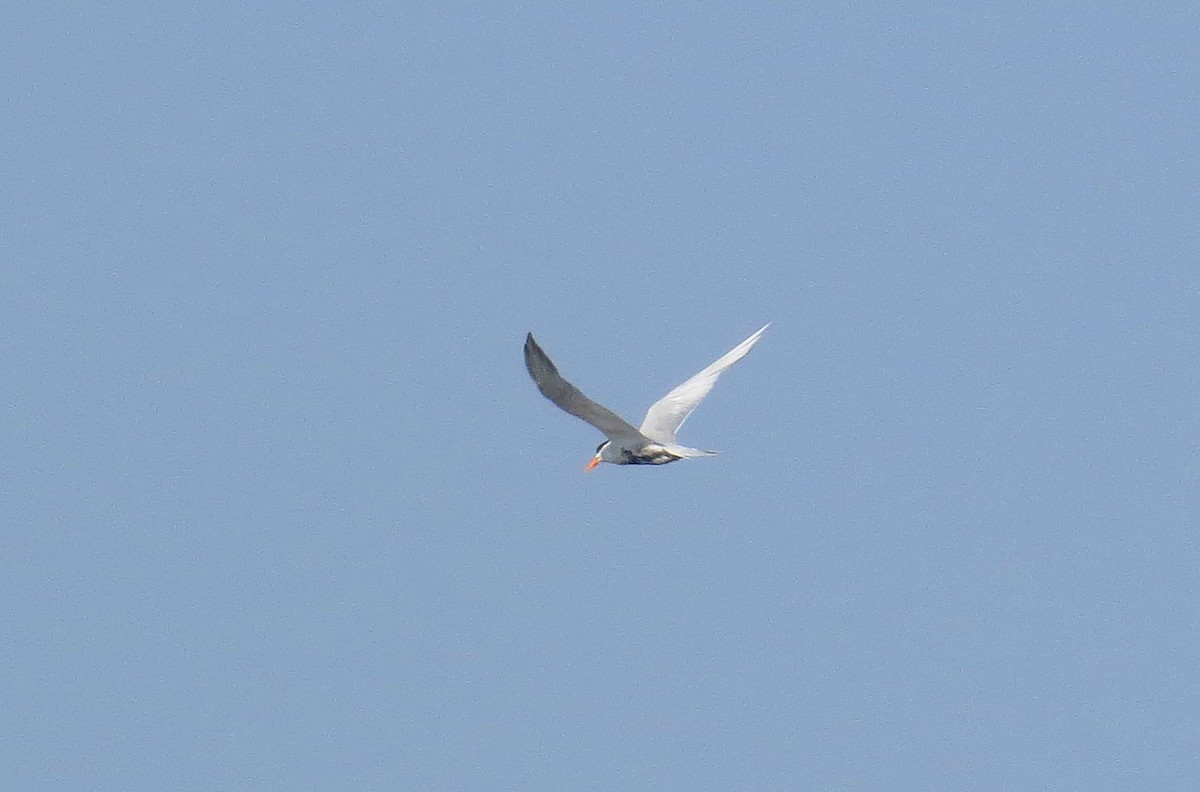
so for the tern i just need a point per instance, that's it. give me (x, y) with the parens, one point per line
(654, 442)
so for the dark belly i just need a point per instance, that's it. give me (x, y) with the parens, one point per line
(656, 457)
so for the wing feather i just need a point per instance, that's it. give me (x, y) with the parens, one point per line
(666, 415)
(569, 398)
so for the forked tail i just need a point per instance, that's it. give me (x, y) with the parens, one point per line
(689, 453)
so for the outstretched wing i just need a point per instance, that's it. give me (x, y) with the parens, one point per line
(666, 415)
(568, 398)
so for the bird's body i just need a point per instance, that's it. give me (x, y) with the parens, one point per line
(650, 453)
(654, 442)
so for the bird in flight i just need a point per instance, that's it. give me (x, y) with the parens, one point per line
(654, 442)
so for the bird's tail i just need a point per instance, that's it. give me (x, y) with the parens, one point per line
(689, 453)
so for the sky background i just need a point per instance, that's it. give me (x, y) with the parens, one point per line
(280, 508)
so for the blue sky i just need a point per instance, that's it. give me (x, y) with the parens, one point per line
(281, 510)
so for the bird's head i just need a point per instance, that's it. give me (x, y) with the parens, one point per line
(597, 459)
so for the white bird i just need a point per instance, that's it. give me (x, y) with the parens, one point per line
(653, 443)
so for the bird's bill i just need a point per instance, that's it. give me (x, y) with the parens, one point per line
(595, 461)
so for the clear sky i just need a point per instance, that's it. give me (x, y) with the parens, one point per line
(280, 508)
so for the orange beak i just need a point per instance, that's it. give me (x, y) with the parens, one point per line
(595, 461)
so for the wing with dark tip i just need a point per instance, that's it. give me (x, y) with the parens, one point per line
(568, 398)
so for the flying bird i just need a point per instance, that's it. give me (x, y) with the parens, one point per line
(654, 442)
